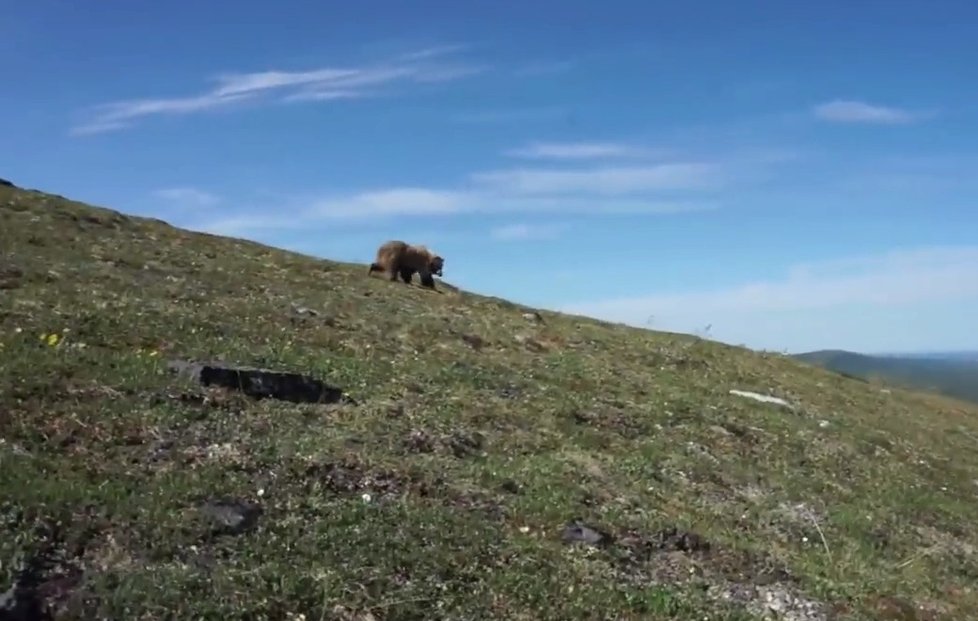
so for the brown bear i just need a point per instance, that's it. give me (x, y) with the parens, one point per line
(399, 258)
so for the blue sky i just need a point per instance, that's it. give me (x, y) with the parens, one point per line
(788, 175)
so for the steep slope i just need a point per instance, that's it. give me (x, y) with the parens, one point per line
(493, 463)
(953, 377)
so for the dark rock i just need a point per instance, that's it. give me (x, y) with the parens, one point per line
(584, 417)
(578, 532)
(510, 486)
(261, 383)
(509, 392)
(232, 516)
(474, 341)
(6, 183)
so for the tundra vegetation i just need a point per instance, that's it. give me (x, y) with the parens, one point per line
(435, 454)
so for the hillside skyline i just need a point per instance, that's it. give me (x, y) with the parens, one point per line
(800, 183)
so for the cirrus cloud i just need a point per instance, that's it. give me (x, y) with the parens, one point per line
(322, 84)
(850, 111)
(608, 180)
(578, 151)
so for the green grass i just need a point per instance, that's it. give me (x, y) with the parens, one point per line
(478, 432)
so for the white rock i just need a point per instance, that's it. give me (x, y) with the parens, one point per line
(759, 397)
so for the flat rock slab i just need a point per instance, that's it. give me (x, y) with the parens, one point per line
(232, 516)
(261, 383)
(576, 531)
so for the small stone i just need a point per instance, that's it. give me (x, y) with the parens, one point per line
(474, 341)
(510, 486)
(232, 516)
(303, 311)
(578, 532)
(720, 431)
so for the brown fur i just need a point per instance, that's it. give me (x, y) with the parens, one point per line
(399, 258)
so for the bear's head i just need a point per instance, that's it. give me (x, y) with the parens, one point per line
(436, 264)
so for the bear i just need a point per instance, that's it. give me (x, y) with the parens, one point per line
(399, 258)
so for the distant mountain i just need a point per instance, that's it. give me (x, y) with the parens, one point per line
(934, 355)
(954, 374)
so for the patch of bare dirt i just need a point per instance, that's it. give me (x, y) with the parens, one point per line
(675, 556)
(612, 418)
(461, 444)
(348, 477)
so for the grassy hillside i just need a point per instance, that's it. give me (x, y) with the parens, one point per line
(957, 378)
(487, 462)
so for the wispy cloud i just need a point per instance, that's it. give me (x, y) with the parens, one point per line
(187, 197)
(579, 151)
(611, 180)
(526, 232)
(889, 281)
(849, 111)
(435, 202)
(579, 188)
(388, 203)
(322, 84)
